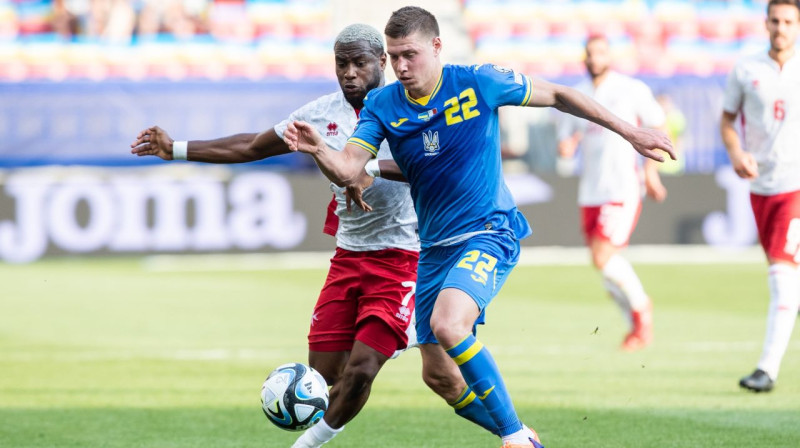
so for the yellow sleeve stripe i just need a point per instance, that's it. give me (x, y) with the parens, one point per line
(528, 90)
(464, 402)
(369, 148)
(468, 353)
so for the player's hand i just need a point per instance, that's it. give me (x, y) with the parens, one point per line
(354, 193)
(745, 165)
(568, 146)
(153, 141)
(654, 188)
(302, 137)
(650, 143)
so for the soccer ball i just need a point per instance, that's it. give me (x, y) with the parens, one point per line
(294, 397)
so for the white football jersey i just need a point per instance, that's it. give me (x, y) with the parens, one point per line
(610, 167)
(392, 223)
(768, 99)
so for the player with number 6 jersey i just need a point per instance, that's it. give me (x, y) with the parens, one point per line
(764, 90)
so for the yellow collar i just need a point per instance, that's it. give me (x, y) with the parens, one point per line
(425, 99)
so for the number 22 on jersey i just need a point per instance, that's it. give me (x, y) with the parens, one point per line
(481, 265)
(461, 107)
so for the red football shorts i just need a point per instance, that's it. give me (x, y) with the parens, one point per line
(778, 221)
(613, 222)
(369, 297)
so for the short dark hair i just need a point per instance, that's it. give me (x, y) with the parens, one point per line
(409, 20)
(795, 3)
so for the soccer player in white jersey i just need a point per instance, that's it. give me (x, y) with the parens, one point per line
(610, 191)
(764, 89)
(366, 305)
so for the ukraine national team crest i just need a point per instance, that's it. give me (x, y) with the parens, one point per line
(431, 142)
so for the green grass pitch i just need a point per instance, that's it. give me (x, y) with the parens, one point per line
(105, 353)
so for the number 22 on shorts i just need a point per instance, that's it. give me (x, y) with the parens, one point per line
(481, 264)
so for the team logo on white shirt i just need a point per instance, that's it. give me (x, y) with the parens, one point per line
(430, 140)
(333, 129)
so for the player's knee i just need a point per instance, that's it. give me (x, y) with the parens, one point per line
(601, 255)
(330, 368)
(448, 331)
(599, 260)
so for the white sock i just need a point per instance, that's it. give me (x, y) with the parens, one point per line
(520, 436)
(619, 298)
(620, 273)
(317, 435)
(784, 300)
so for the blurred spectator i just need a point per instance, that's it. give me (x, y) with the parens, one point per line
(110, 20)
(181, 18)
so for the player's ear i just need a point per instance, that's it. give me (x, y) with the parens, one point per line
(382, 59)
(437, 45)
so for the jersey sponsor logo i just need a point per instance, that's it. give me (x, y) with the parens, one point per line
(486, 394)
(333, 129)
(426, 116)
(501, 69)
(399, 121)
(403, 313)
(430, 141)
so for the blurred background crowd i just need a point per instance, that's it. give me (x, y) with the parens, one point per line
(58, 38)
(681, 48)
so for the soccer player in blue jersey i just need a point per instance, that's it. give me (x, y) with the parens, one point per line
(441, 125)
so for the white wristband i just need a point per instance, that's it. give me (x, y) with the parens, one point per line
(372, 168)
(180, 150)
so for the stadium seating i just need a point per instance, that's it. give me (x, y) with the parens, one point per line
(255, 38)
(659, 37)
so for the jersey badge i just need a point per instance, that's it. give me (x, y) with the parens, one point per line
(403, 313)
(333, 129)
(426, 116)
(501, 69)
(396, 124)
(430, 140)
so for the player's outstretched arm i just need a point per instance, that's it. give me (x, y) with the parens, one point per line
(344, 168)
(389, 170)
(743, 162)
(238, 148)
(647, 142)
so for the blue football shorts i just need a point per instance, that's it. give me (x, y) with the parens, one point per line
(479, 266)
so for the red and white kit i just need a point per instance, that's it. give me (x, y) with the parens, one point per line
(768, 98)
(369, 293)
(611, 190)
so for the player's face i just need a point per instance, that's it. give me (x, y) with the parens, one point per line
(598, 57)
(415, 60)
(783, 25)
(358, 70)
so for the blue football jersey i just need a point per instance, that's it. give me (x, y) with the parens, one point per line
(449, 149)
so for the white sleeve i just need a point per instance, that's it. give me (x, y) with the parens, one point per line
(300, 114)
(649, 112)
(732, 98)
